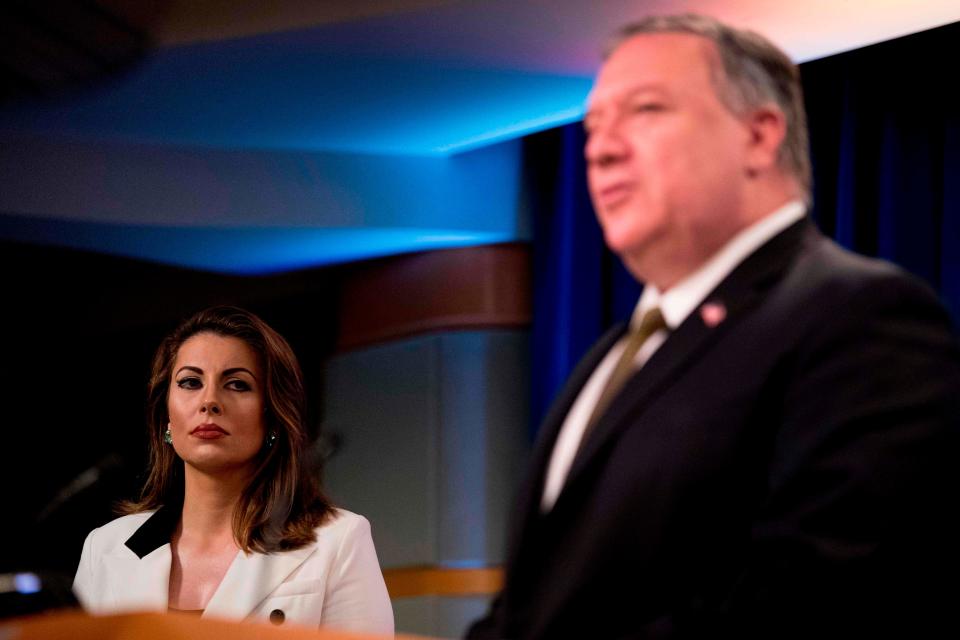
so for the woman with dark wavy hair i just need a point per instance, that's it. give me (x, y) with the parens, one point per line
(230, 522)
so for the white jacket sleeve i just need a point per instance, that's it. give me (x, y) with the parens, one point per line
(356, 596)
(83, 582)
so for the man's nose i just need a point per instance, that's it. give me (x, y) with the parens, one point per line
(605, 146)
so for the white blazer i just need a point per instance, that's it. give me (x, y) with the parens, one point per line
(335, 582)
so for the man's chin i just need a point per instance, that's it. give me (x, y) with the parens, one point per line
(633, 261)
(636, 269)
(625, 244)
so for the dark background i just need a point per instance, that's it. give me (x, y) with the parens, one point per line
(79, 331)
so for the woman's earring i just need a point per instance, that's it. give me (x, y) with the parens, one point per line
(167, 436)
(271, 438)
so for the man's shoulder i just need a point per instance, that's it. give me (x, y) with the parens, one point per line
(833, 300)
(843, 262)
(824, 268)
(827, 293)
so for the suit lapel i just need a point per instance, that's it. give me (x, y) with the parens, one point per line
(528, 502)
(737, 293)
(143, 583)
(568, 395)
(141, 565)
(251, 578)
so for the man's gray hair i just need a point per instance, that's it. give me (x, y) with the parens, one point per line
(755, 73)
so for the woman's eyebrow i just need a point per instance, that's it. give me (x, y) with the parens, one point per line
(233, 370)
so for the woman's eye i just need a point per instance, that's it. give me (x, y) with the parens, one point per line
(238, 385)
(189, 383)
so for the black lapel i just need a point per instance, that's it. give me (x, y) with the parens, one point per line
(737, 293)
(155, 532)
(531, 491)
(559, 409)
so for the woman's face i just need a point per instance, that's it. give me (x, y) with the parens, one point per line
(216, 405)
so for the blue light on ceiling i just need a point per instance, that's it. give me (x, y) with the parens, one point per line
(239, 251)
(268, 154)
(264, 95)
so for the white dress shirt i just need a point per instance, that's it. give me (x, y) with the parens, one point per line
(675, 304)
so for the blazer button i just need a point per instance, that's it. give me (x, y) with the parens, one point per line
(277, 616)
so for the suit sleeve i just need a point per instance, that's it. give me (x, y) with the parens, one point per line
(356, 596)
(856, 532)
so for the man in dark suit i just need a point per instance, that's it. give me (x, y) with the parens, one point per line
(771, 448)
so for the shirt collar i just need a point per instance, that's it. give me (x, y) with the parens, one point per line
(680, 300)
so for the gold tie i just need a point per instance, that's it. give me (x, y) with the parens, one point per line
(652, 322)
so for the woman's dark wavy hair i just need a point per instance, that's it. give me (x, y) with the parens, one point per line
(283, 503)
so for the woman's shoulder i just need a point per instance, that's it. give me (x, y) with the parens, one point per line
(340, 527)
(119, 529)
(341, 521)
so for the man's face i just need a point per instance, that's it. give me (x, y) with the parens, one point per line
(665, 158)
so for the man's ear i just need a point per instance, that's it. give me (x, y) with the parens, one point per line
(766, 129)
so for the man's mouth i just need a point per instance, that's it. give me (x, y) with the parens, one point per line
(614, 195)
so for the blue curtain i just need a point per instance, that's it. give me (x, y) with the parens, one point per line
(885, 140)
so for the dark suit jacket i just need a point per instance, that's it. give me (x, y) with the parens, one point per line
(791, 472)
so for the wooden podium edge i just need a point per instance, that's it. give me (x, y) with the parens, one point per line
(73, 624)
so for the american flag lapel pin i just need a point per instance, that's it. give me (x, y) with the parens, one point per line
(713, 313)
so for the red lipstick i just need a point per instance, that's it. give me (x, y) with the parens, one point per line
(208, 431)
